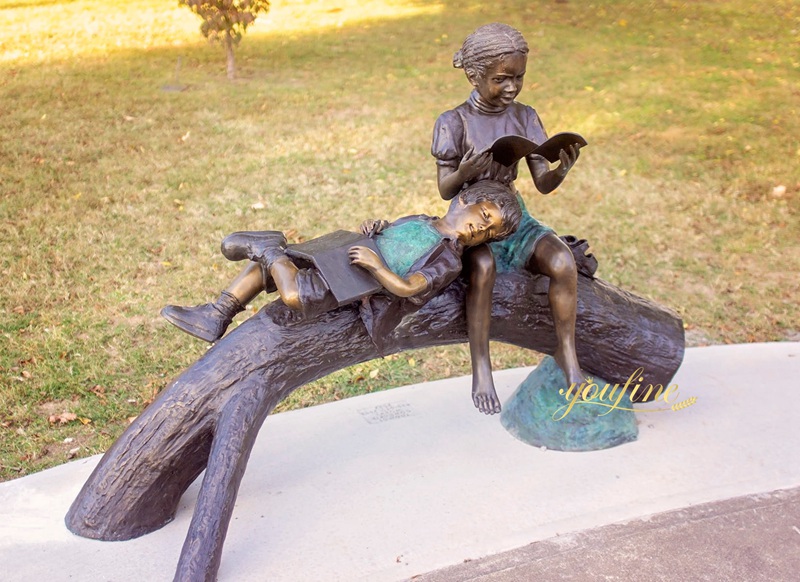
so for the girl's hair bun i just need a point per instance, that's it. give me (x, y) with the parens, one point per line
(486, 45)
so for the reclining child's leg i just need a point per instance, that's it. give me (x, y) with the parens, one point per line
(209, 321)
(284, 273)
(300, 289)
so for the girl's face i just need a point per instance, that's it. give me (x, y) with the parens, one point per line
(502, 80)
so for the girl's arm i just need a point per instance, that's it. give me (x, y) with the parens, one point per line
(451, 181)
(402, 287)
(547, 180)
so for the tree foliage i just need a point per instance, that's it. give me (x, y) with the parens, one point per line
(226, 21)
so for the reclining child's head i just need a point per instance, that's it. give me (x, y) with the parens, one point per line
(484, 212)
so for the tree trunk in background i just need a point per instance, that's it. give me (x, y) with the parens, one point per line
(231, 63)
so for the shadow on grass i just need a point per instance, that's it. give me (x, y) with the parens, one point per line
(612, 49)
(401, 65)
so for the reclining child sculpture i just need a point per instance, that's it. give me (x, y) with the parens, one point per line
(419, 256)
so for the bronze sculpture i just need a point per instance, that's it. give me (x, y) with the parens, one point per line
(419, 256)
(208, 418)
(494, 59)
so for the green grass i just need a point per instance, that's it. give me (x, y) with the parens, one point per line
(114, 193)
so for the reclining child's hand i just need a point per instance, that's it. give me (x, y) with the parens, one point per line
(365, 257)
(373, 226)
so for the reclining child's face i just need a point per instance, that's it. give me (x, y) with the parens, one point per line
(478, 223)
(502, 80)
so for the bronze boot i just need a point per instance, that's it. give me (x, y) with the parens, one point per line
(207, 322)
(260, 246)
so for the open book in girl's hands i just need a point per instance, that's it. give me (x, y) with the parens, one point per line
(509, 149)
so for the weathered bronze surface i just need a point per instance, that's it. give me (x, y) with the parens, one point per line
(494, 59)
(538, 413)
(208, 418)
(418, 257)
(330, 255)
(534, 290)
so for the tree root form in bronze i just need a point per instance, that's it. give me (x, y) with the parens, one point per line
(208, 418)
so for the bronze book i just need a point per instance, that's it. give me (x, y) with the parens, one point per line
(509, 149)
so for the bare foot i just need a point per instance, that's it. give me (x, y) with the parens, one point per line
(572, 371)
(484, 396)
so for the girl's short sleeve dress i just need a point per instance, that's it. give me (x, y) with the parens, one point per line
(468, 129)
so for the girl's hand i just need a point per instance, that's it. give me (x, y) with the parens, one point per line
(364, 257)
(371, 227)
(568, 158)
(473, 165)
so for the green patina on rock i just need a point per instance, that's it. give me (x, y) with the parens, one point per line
(529, 415)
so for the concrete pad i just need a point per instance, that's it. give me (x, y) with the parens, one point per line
(753, 538)
(389, 485)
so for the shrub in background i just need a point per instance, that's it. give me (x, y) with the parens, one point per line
(226, 21)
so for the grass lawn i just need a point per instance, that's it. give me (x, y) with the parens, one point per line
(115, 190)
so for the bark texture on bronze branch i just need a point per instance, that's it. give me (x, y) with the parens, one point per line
(208, 418)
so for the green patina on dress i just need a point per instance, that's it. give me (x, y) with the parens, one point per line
(403, 244)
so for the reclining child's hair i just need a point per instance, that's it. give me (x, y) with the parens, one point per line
(500, 195)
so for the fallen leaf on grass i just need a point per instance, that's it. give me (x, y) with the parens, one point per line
(99, 391)
(63, 418)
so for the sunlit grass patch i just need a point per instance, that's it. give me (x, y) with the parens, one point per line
(126, 157)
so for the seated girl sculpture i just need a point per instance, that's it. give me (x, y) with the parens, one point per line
(420, 256)
(494, 59)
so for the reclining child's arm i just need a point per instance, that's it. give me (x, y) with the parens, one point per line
(402, 287)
